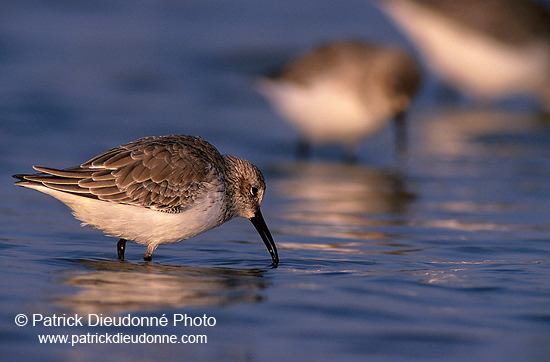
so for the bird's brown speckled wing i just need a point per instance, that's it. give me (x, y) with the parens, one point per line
(162, 173)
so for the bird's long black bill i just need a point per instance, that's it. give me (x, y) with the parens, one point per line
(260, 225)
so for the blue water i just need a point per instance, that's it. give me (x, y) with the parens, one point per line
(449, 260)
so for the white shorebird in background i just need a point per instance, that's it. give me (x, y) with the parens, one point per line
(344, 92)
(488, 49)
(158, 190)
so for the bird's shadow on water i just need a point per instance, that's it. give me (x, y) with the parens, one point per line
(113, 287)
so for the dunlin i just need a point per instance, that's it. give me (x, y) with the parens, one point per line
(487, 49)
(344, 92)
(158, 190)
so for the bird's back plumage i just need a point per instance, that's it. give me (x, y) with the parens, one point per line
(161, 173)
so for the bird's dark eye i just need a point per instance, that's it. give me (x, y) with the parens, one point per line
(254, 191)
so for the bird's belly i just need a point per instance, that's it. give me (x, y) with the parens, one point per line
(143, 225)
(327, 113)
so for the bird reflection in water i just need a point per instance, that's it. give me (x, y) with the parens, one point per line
(477, 132)
(112, 287)
(337, 200)
(490, 148)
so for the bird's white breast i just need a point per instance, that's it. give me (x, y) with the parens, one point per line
(327, 111)
(140, 224)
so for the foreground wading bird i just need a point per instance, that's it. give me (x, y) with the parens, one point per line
(158, 190)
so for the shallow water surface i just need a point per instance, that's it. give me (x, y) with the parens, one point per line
(446, 257)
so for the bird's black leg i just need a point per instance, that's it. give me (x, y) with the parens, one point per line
(303, 149)
(149, 253)
(120, 248)
(401, 140)
(350, 155)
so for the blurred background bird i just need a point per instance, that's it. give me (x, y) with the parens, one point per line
(487, 49)
(343, 92)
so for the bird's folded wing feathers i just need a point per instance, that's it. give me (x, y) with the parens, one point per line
(163, 173)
